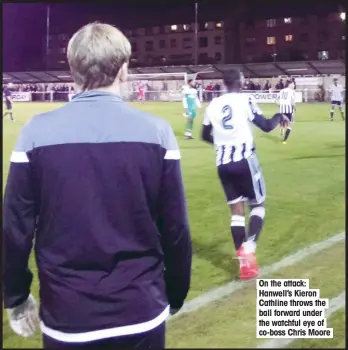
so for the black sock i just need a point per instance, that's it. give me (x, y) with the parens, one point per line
(331, 115)
(256, 221)
(342, 115)
(11, 116)
(238, 230)
(287, 133)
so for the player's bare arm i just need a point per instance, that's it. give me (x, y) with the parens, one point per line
(207, 129)
(207, 133)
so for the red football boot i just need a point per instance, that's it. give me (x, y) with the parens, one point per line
(249, 268)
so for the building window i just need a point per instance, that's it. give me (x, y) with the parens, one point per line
(250, 24)
(323, 37)
(250, 41)
(180, 57)
(203, 41)
(218, 40)
(186, 27)
(288, 20)
(173, 27)
(288, 37)
(148, 31)
(271, 23)
(304, 20)
(203, 56)
(343, 37)
(271, 40)
(187, 43)
(148, 45)
(202, 26)
(62, 50)
(162, 44)
(62, 37)
(218, 56)
(304, 37)
(218, 25)
(172, 43)
(323, 55)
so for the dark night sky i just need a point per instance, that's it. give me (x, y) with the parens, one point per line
(24, 24)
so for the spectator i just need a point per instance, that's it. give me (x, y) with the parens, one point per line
(251, 85)
(293, 80)
(199, 88)
(267, 86)
(280, 85)
(320, 94)
(257, 86)
(217, 88)
(99, 183)
(209, 91)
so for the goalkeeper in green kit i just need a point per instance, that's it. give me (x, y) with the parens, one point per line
(191, 102)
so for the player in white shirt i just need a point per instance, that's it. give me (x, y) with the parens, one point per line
(228, 125)
(287, 101)
(336, 91)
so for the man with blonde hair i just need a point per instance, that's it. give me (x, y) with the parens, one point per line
(98, 184)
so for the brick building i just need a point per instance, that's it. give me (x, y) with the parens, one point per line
(312, 37)
(176, 44)
(233, 34)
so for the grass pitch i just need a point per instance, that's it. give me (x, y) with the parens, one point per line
(305, 182)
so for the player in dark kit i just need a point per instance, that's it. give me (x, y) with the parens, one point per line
(8, 102)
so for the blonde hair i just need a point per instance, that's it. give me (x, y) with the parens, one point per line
(96, 52)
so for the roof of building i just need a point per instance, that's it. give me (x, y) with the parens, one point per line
(252, 70)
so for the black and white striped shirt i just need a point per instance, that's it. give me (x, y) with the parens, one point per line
(287, 99)
(336, 92)
(230, 116)
(226, 153)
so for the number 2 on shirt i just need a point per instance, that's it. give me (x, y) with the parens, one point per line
(226, 120)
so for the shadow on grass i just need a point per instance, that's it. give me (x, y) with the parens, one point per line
(318, 156)
(335, 146)
(273, 138)
(218, 258)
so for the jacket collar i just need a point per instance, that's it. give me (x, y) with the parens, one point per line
(96, 95)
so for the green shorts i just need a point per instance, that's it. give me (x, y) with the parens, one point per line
(191, 113)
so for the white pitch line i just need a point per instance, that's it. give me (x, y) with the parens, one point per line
(221, 292)
(335, 304)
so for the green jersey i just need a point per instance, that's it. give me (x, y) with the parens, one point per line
(190, 100)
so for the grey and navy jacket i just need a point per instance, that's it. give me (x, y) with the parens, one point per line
(97, 185)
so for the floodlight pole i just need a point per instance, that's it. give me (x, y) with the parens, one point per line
(196, 34)
(47, 34)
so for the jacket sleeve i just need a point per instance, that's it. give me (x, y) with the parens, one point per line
(19, 217)
(173, 224)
